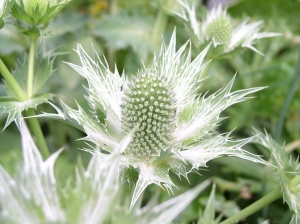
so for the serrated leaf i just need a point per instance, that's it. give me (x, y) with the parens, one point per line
(291, 197)
(286, 169)
(209, 213)
(15, 108)
(157, 173)
(123, 31)
(295, 220)
(42, 69)
(167, 211)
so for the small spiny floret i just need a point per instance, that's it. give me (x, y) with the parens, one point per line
(220, 29)
(149, 103)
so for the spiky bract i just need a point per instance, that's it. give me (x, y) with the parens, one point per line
(35, 197)
(174, 127)
(221, 29)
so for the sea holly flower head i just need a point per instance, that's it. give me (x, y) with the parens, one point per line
(218, 26)
(34, 195)
(37, 12)
(221, 29)
(174, 127)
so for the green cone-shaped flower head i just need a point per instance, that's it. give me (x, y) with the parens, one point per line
(37, 12)
(219, 29)
(148, 103)
(218, 26)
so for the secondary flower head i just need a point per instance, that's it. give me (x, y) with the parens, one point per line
(221, 29)
(37, 12)
(174, 127)
(34, 196)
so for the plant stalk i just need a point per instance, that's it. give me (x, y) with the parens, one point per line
(12, 82)
(292, 89)
(34, 124)
(295, 181)
(159, 26)
(37, 131)
(269, 198)
(30, 112)
(30, 77)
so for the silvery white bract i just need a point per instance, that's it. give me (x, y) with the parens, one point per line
(175, 127)
(34, 197)
(221, 28)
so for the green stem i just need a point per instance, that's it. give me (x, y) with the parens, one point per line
(295, 181)
(288, 99)
(159, 26)
(269, 198)
(12, 82)
(30, 77)
(111, 52)
(36, 129)
(34, 124)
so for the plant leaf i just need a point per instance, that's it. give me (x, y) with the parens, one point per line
(123, 31)
(286, 168)
(42, 69)
(167, 211)
(295, 220)
(209, 213)
(15, 108)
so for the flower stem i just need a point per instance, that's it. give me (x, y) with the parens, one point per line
(269, 198)
(34, 124)
(36, 129)
(111, 52)
(12, 82)
(30, 77)
(159, 26)
(295, 181)
(292, 89)
(30, 112)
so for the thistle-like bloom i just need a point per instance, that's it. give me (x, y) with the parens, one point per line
(34, 197)
(175, 127)
(37, 12)
(221, 29)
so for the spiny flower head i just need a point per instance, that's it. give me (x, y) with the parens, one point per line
(174, 127)
(34, 197)
(37, 12)
(221, 29)
(149, 103)
(218, 26)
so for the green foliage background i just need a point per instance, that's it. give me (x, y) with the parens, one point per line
(122, 31)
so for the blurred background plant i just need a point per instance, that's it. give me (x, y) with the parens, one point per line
(128, 32)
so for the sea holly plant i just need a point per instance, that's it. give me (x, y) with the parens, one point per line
(175, 126)
(34, 195)
(29, 76)
(220, 28)
(287, 170)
